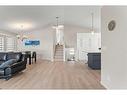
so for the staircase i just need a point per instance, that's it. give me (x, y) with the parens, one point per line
(59, 53)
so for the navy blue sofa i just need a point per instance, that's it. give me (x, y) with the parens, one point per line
(11, 63)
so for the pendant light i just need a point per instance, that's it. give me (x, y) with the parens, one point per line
(57, 26)
(92, 24)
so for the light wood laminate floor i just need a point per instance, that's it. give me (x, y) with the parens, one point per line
(55, 75)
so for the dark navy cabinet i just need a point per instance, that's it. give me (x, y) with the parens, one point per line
(94, 60)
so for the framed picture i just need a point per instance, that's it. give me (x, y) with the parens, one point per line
(32, 42)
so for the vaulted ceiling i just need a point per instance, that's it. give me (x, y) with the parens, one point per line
(35, 17)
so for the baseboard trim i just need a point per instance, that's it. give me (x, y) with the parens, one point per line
(104, 85)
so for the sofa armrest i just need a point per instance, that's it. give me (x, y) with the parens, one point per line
(6, 71)
(17, 64)
(14, 65)
(23, 61)
(7, 63)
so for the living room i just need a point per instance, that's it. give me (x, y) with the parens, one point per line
(31, 30)
(31, 34)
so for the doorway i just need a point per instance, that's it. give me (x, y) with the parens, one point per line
(59, 37)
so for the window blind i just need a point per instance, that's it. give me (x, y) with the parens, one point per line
(10, 44)
(1, 43)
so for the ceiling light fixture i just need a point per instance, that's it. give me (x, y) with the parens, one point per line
(22, 36)
(26, 25)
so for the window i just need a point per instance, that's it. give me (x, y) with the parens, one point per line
(10, 44)
(1, 43)
(7, 43)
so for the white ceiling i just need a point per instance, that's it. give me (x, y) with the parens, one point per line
(36, 17)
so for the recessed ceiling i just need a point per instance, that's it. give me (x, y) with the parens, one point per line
(36, 17)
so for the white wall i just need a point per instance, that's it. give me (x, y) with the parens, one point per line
(114, 48)
(70, 34)
(3, 32)
(45, 49)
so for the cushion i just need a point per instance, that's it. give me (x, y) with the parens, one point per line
(7, 63)
(3, 56)
(16, 56)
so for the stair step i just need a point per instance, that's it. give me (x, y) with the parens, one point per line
(58, 60)
(58, 54)
(59, 50)
(58, 57)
